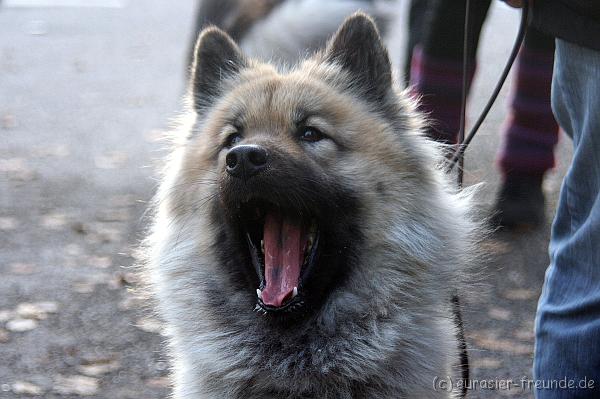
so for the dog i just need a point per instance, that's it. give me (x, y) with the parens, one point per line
(284, 31)
(305, 242)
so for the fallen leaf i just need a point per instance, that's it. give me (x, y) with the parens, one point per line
(508, 346)
(73, 250)
(499, 314)
(525, 335)
(26, 388)
(22, 268)
(47, 306)
(520, 294)
(58, 151)
(6, 315)
(486, 363)
(149, 324)
(84, 287)
(21, 325)
(99, 368)
(16, 169)
(89, 284)
(8, 121)
(8, 223)
(4, 336)
(158, 382)
(54, 221)
(489, 340)
(37, 310)
(76, 385)
(496, 246)
(94, 370)
(30, 311)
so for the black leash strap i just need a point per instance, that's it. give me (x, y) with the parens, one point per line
(463, 94)
(463, 142)
(462, 346)
(458, 157)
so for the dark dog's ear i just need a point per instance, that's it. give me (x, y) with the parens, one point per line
(358, 48)
(216, 58)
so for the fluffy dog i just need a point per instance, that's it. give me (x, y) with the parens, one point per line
(305, 244)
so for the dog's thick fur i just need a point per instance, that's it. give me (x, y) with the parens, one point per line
(400, 240)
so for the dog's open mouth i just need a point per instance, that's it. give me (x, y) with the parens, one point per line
(284, 250)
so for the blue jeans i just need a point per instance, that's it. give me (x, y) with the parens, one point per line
(568, 316)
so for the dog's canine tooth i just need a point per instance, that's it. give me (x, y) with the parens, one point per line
(295, 292)
(259, 293)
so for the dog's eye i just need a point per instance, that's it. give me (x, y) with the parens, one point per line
(310, 134)
(233, 139)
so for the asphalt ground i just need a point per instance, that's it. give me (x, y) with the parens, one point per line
(85, 93)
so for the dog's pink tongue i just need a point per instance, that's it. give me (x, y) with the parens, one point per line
(284, 248)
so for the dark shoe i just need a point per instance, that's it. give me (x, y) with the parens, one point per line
(520, 203)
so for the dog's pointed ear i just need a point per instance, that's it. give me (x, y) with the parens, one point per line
(216, 58)
(358, 48)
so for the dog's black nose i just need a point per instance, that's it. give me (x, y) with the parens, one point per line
(246, 160)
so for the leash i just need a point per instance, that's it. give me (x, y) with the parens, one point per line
(462, 346)
(464, 141)
(458, 158)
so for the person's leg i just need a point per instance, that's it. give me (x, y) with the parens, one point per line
(530, 136)
(436, 71)
(418, 21)
(568, 318)
(209, 12)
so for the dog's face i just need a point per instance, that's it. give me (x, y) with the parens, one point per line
(287, 166)
(294, 221)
